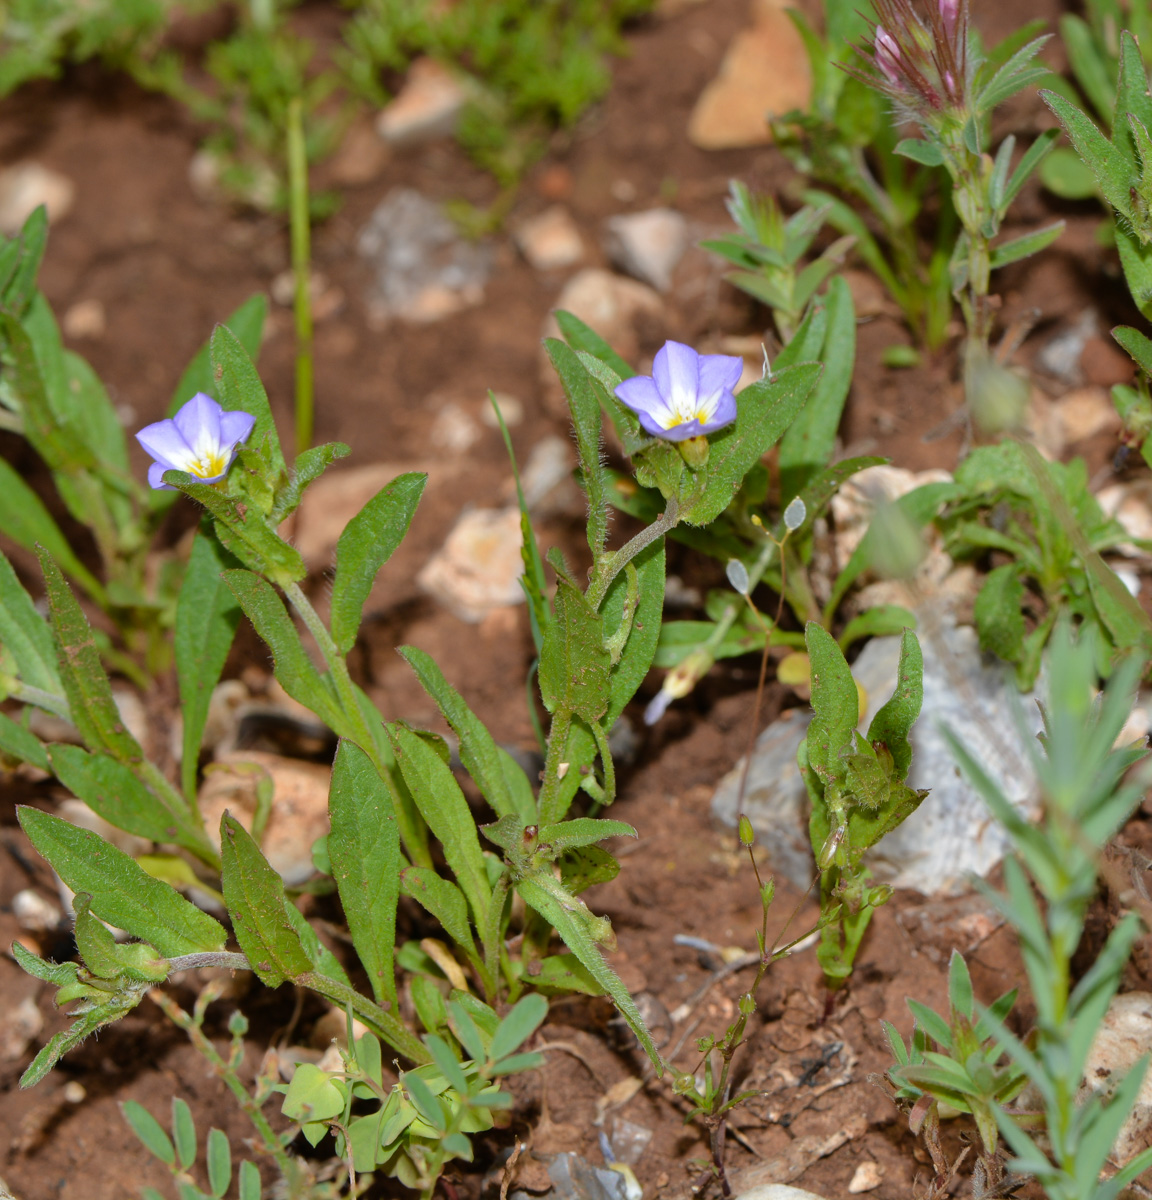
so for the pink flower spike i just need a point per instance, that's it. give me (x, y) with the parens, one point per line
(887, 55)
(949, 14)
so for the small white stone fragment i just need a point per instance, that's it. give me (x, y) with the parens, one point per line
(74, 1092)
(550, 240)
(427, 106)
(34, 912)
(20, 1025)
(24, 187)
(866, 1177)
(648, 245)
(85, 319)
(479, 566)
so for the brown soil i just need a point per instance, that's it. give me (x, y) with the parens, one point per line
(166, 266)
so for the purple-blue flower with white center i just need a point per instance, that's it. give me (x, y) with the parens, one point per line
(200, 439)
(687, 394)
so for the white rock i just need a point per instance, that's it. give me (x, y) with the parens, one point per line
(428, 105)
(619, 309)
(1131, 504)
(867, 1176)
(32, 911)
(299, 813)
(479, 566)
(85, 319)
(1084, 412)
(1123, 1037)
(1060, 355)
(424, 269)
(454, 430)
(951, 835)
(511, 409)
(777, 1191)
(550, 240)
(27, 185)
(548, 468)
(20, 1025)
(648, 245)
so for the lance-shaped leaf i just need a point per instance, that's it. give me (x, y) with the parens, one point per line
(443, 807)
(365, 546)
(808, 442)
(238, 389)
(243, 532)
(25, 633)
(207, 615)
(443, 899)
(293, 667)
(893, 723)
(640, 647)
(835, 703)
(21, 743)
(580, 337)
(114, 792)
(309, 466)
(570, 918)
(364, 847)
(256, 903)
(574, 665)
(585, 408)
(492, 770)
(764, 411)
(122, 893)
(582, 831)
(67, 1039)
(1114, 172)
(247, 323)
(86, 685)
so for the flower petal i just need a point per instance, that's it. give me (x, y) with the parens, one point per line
(719, 372)
(163, 441)
(723, 414)
(676, 370)
(235, 427)
(681, 432)
(156, 477)
(641, 395)
(199, 424)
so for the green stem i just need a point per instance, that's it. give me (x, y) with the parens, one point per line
(408, 821)
(493, 937)
(547, 804)
(301, 261)
(287, 1165)
(383, 1024)
(612, 564)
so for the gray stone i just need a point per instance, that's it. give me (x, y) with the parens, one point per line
(423, 268)
(648, 245)
(775, 799)
(952, 835)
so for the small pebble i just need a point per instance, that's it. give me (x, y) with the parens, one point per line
(85, 319)
(34, 912)
(74, 1092)
(866, 1177)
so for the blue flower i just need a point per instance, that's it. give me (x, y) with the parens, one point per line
(201, 439)
(687, 394)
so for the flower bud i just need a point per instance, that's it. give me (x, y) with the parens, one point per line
(887, 56)
(747, 1004)
(694, 451)
(880, 895)
(747, 833)
(831, 847)
(768, 894)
